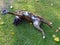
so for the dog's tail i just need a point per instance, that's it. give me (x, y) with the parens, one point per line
(4, 12)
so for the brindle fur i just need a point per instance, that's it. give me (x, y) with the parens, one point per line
(19, 13)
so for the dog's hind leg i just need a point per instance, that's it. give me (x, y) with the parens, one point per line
(36, 25)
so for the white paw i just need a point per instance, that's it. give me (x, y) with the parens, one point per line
(43, 37)
(50, 23)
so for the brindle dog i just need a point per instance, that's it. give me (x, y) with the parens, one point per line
(25, 15)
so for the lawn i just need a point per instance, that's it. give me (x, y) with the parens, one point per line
(25, 33)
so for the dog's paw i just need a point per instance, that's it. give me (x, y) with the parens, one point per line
(43, 37)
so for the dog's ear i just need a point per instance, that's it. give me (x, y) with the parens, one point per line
(4, 12)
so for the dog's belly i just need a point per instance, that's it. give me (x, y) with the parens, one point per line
(27, 18)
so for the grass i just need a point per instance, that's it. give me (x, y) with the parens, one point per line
(25, 33)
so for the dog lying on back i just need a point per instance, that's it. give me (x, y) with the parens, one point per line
(25, 15)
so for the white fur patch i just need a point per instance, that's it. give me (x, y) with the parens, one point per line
(26, 13)
(36, 22)
(17, 16)
(33, 17)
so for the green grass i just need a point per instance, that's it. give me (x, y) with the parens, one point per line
(25, 33)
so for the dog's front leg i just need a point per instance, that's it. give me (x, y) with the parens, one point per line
(17, 20)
